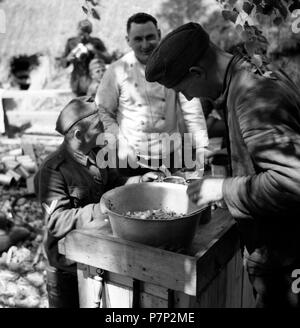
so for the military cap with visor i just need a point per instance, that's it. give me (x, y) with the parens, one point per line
(76, 110)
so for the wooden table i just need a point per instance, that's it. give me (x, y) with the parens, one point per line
(209, 274)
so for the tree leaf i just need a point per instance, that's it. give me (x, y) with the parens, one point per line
(245, 36)
(95, 14)
(232, 2)
(282, 9)
(248, 7)
(230, 15)
(257, 2)
(257, 60)
(239, 28)
(93, 2)
(259, 9)
(250, 47)
(85, 10)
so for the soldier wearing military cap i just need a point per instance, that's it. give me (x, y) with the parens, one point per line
(69, 186)
(262, 110)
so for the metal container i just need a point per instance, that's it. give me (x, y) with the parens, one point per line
(6, 180)
(173, 234)
(174, 179)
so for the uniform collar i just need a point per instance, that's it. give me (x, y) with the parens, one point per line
(219, 102)
(81, 158)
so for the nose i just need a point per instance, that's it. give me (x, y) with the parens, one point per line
(145, 44)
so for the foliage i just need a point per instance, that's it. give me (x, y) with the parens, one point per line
(249, 17)
(222, 32)
(89, 8)
(179, 12)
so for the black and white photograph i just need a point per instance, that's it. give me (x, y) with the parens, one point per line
(150, 157)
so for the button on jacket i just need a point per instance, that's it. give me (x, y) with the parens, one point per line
(132, 108)
(263, 117)
(69, 187)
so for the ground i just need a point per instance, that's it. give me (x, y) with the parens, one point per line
(22, 261)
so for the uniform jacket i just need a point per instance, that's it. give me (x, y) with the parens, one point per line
(80, 78)
(69, 191)
(262, 112)
(133, 109)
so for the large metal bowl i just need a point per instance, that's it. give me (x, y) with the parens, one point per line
(176, 233)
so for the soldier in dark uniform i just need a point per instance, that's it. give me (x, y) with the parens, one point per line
(262, 114)
(69, 186)
(79, 51)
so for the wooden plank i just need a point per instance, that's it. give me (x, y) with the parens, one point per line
(214, 244)
(48, 93)
(248, 300)
(171, 270)
(224, 291)
(117, 296)
(28, 150)
(120, 287)
(85, 287)
(221, 250)
(155, 290)
(113, 277)
(150, 301)
(30, 184)
(234, 282)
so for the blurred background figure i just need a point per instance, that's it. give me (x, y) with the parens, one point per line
(96, 70)
(79, 51)
(21, 76)
(20, 70)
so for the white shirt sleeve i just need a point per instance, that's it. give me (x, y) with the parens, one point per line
(107, 100)
(194, 120)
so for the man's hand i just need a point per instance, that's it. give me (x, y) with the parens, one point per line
(96, 224)
(206, 191)
(152, 176)
(209, 154)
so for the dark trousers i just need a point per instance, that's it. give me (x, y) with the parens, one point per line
(62, 288)
(272, 281)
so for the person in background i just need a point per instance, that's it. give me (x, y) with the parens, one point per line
(20, 77)
(69, 186)
(138, 113)
(97, 68)
(79, 51)
(262, 116)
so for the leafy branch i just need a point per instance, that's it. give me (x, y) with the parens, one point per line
(89, 8)
(247, 16)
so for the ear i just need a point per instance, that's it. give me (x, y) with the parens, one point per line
(77, 134)
(159, 33)
(127, 38)
(199, 71)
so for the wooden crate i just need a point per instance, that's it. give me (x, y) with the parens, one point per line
(208, 274)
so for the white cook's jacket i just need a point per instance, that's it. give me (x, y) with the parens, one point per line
(137, 111)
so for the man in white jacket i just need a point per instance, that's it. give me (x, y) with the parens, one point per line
(145, 116)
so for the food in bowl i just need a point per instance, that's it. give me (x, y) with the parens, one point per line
(159, 214)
